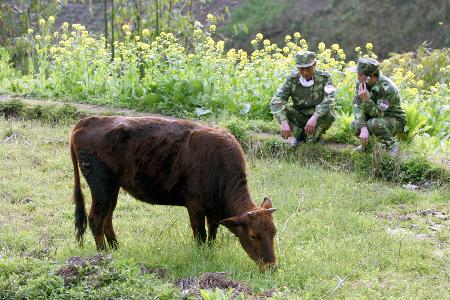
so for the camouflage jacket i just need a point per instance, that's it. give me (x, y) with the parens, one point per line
(316, 99)
(384, 102)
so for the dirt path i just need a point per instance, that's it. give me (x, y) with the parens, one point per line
(94, 109)
(438, 159)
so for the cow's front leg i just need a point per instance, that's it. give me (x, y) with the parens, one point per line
(212, 229)
(197, 224)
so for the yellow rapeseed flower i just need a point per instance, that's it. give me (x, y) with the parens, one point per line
(297, 35)
(231, 53)
(266, 43)
(414, 91)
(209, 17)
(65, 25)
(51, 19)
(212, 28)
(42, 22)
(287, 38)
(38, 37)
(197, 32)
(321, 46)
(56, 34)
(30, 31)
(220, 45)
(286, 50)
(137, 38)
(419, 67)
(369, 46)
(210, 42)
(278, 56)
(420, 83)
(126, 28)
(259, 36)
(358, 49)
(145, 32)
(335, 47)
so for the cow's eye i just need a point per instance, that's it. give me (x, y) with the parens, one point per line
(253, 237)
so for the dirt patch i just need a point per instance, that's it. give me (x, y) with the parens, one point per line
(424, 225)
(434, 213)
(158, 272)
(191, 287)
(78, 268)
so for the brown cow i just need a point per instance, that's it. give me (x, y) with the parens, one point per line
(167, 161)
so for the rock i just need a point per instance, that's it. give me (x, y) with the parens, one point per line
(410, 187)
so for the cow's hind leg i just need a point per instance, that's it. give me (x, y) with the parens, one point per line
(104, 187)
(197, 219)
(108, 226)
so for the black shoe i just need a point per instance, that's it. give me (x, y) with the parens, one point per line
(302, 137)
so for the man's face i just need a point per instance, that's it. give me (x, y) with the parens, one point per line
(361, 77)
(307, 72)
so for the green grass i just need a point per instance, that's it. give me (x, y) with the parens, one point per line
(331, 226)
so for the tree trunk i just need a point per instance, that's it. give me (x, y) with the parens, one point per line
(170, 14)
(105, 14)
(112, 29)
(157, 16)
(137, 4)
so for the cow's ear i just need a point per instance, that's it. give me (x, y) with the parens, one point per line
(267, 203)
(232, 223)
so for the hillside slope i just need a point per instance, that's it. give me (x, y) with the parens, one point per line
(391, 25)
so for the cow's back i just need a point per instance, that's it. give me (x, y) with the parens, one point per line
(141, 152)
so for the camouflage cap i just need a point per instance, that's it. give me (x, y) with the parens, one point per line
(367, 66)
(304, 59)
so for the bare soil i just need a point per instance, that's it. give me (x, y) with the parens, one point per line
(78, 269)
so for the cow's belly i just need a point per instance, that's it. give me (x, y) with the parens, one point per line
(154, 196)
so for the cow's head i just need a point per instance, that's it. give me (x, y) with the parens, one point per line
(256, 231)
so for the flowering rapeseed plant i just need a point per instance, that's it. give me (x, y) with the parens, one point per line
(160, 74)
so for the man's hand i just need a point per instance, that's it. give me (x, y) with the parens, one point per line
(364, 136)
(285, 129)
(363, 93)
(311, 125)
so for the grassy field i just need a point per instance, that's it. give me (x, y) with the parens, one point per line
(338, 235)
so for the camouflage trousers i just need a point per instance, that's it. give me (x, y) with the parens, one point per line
(383, 128)
(297, 120)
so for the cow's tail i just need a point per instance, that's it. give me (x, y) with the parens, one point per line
(78, 199)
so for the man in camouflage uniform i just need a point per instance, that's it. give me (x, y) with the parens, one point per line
(311, 112)
(377, 107)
